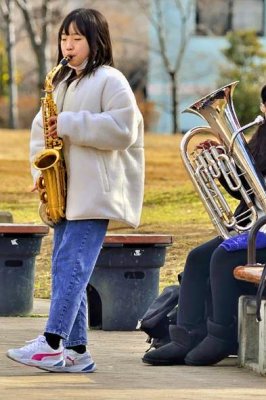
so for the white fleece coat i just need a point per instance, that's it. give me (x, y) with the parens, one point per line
(102, 131)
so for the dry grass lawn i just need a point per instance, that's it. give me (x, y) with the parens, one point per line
(171, 205)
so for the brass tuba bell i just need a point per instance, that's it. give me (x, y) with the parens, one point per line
(230, 161)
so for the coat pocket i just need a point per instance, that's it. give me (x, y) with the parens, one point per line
(104, 171)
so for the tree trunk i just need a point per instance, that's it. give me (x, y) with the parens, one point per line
(230, 15)
(12, 86)
(174, 97)
(42, 68)
(39, 42)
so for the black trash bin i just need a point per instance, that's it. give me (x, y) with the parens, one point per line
(125, 280)
(19, 245)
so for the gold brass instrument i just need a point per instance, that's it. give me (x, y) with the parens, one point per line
(50, 161)
(231, 161)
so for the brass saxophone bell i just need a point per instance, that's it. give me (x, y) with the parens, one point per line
(50, 161)
(44, 215)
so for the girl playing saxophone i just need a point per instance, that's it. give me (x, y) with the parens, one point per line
(102, 130)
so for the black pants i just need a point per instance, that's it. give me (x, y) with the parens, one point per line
(208, 279)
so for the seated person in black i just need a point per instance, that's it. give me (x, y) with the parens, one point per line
(197, 338)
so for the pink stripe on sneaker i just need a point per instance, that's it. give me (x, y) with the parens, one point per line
(40, 356)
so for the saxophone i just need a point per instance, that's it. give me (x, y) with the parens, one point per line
(51, 184)
(231, 160)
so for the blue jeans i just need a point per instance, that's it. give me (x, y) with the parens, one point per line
(77, 245)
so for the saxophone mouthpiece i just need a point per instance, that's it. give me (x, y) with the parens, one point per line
(65, 60)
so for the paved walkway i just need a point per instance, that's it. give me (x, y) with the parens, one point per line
(120, 374)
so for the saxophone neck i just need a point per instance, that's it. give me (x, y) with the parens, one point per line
(48, 84)
(49, 107)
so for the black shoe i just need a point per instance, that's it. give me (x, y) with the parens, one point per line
(217, 345)
(173, 353)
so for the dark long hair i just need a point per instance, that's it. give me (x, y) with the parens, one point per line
(257, 144)
(257, 147)
(93, 25)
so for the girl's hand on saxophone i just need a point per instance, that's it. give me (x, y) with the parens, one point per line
(35, 187)
(52, 122)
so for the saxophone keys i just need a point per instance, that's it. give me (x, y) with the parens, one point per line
(41, 183)
(44, 197)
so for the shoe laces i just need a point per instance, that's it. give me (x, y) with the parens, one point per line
(34, 343)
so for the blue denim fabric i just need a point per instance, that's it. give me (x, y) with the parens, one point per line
(77, 245)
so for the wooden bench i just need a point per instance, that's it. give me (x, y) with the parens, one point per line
(251, 333)
(125, 280)
(23, 229)
(19, 245)
(249, 273)
(252, 271)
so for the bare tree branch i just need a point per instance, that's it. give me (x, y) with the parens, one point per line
(185, 15)
(146, 11)
(39, 39)
(161, 36)
(157, 19)
(45, 23)
(4, 9)
(29, 21)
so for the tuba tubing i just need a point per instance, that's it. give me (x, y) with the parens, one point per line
(233, 161)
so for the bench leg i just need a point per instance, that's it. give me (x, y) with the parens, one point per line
(251, 335)
(262, 339)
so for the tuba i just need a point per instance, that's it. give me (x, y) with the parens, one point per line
(51, 184)
(230, 162)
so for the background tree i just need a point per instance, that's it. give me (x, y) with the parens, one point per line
(7, 11)
(3, 70)
(37, 23)
(172, 65)
(41, 19)
(38, 20)
(246, 63)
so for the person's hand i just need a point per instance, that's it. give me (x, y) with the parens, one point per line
(52, 122)
(35, 187)
(207, 144)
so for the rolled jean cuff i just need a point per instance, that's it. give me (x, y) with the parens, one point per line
(66, 343)
(63, 335)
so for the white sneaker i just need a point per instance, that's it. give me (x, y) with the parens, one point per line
(75, 362)
(38, 353)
